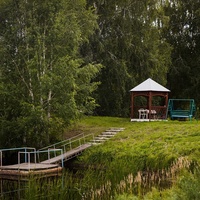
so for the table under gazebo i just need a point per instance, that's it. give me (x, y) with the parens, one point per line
(149, 101)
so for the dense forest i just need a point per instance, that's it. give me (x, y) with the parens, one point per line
(62, 59)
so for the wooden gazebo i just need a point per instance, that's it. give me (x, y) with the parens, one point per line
(149, 101)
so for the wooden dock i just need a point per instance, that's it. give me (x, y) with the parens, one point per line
(52, 166)
(25, 170)
(68, 155)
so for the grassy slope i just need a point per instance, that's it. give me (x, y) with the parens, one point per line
(171, 138)
(154, 150)
(143, 145)
(95, 125)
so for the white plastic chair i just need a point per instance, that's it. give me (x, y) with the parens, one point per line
(143, 113)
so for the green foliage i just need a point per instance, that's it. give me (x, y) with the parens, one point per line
(129, 44)
(47, 188)
(182, 34)
(126, 197)
(42, 73)
(187, 187)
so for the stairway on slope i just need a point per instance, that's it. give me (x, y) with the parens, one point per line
(106, 135)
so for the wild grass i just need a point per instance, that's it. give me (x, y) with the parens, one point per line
(186, 187)
(155, 152)
(148, 160)
(94, 125)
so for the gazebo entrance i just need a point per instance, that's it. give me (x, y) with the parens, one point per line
(149, 101)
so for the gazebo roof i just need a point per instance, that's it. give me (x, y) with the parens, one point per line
(149, 85)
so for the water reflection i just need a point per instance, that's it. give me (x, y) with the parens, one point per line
(18, 188)
(12, 189)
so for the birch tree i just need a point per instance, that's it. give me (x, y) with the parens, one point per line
(42, 72)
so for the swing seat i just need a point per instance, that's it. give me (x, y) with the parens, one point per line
(181, 108)
(181, 114)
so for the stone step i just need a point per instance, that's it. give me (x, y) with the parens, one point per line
(108, 135)
(95, 143)
(99, 141)
(109, 132)
(102, 138)
(115, 129)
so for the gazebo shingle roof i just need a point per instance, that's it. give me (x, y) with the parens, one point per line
(149, 85)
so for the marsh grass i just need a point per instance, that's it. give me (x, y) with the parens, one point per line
(141, 183)
(186, 187)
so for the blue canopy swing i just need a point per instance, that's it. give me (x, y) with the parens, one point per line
(181, 108)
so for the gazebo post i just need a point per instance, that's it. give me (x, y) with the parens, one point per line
(150, 103)
(132, 104)
(166, 103)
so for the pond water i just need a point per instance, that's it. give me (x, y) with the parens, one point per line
(72, 185)
(16, 187)
(23, 189)
(11, 189)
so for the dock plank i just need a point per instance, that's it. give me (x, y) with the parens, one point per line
(28, 166)
(67, 155)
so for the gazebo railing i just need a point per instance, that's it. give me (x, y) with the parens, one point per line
(157, 112)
